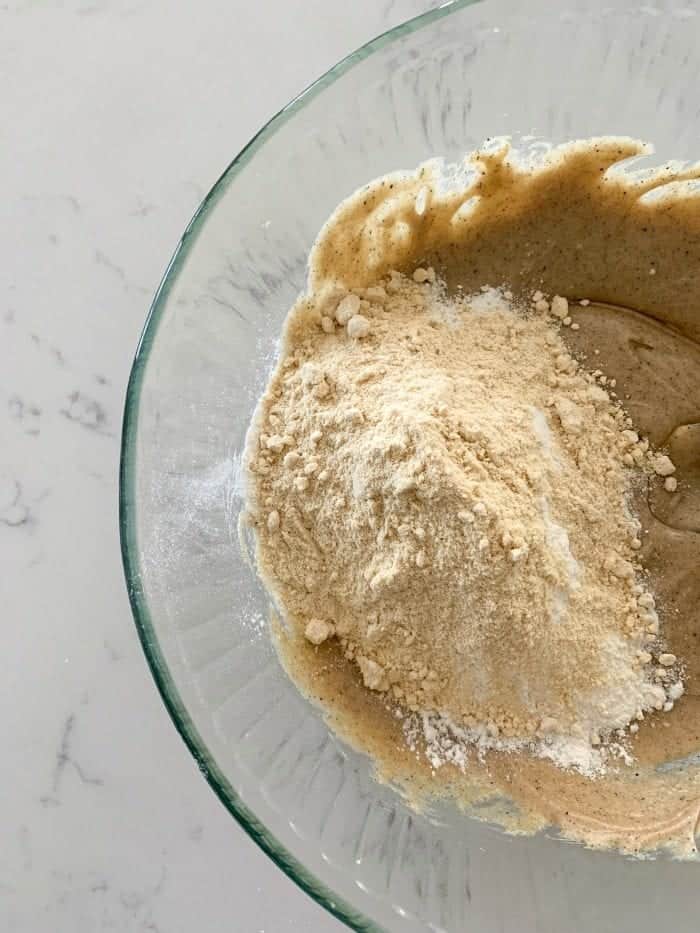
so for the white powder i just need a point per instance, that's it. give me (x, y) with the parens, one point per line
(444, 743)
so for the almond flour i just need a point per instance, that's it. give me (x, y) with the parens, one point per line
(436, 483)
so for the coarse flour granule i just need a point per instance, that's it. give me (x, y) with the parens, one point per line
(436, 483)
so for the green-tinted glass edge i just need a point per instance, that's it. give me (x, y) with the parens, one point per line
(127, 472)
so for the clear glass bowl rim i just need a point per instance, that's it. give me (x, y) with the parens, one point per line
(127, 483)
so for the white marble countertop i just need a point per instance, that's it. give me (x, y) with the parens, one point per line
(118, 115)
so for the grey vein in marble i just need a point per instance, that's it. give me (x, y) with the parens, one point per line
(87, 412)
(14, 512)
(26, 413)
(64, 759)
(102, 260)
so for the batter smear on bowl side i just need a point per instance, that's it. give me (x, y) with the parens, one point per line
(472, 488)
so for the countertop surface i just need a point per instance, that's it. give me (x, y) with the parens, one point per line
(118, 115)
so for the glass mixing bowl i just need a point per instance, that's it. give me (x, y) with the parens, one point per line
(438, 85)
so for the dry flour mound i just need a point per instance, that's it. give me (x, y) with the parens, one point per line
(436, 483)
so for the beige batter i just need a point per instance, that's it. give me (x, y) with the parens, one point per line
(574, 228)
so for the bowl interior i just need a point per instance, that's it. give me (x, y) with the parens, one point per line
(438, 85)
